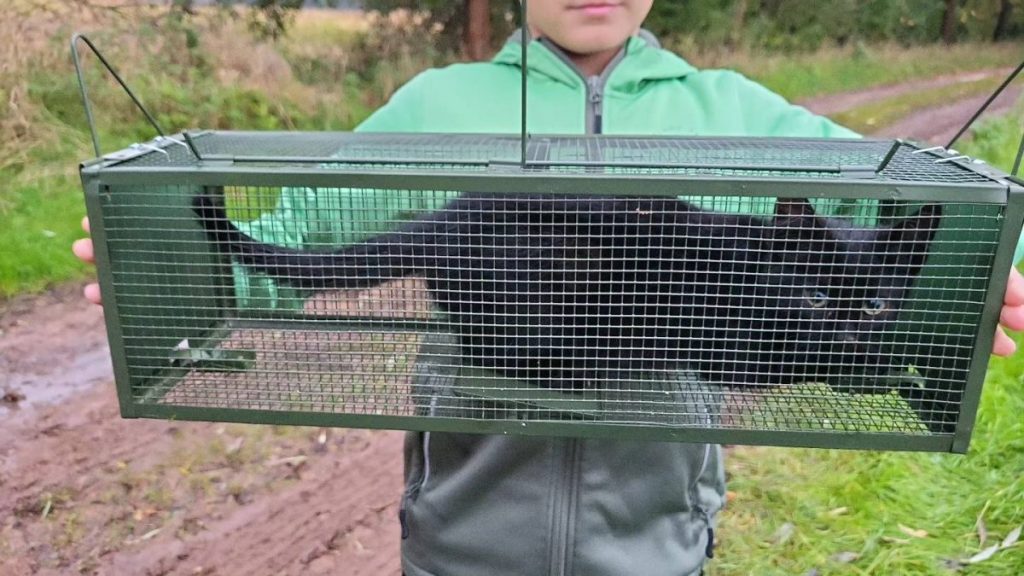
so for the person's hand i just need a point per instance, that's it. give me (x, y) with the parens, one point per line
(1012, 316)
(82, 248)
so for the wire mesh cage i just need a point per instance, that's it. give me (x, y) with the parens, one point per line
(834, 293)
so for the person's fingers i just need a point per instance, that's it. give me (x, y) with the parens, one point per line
(82, 248)
(85, 224)
(1003, 345)
(1012, 317)
(92, 293)
(1014, 289)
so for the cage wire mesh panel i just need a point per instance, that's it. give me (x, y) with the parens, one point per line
(616, 287)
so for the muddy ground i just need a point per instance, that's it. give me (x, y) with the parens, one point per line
(84, 491)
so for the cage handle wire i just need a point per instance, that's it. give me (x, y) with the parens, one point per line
(83, 91)
(1020, 149)
(522, 113)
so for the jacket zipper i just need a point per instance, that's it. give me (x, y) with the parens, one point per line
(567, 487)
(565, 498)
(595, 86)
(595, 102)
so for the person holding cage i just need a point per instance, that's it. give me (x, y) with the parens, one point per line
(497, 505)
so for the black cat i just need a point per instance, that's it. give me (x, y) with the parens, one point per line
(568, 292)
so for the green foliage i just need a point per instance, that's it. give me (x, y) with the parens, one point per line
(449, 17)
(266, 19)
(794, 25)
(996, 141)
(41, 219)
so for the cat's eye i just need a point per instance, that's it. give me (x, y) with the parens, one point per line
(816, 298)
(874, 307)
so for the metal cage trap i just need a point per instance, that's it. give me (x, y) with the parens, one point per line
(832, 293)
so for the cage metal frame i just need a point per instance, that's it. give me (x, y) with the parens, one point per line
(509, 177)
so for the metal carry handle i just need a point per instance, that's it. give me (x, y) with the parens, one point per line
(525, 41)
(88, 106)
(1020, 149)
(524, 136)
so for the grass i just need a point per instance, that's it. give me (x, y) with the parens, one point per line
(833, 70)
(996, 140)
(794, 511)
(41, 220)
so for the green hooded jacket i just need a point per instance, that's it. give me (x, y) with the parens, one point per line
(479, 505)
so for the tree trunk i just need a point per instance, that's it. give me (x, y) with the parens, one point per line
(739, 21)
(1003, 21)
(949, 22)
(478, 29)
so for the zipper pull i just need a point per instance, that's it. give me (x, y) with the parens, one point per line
(594, 88)
(594, 97)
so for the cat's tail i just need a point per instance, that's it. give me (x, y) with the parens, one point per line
(403, 252)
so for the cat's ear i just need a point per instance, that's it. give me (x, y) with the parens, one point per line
(906, 244)
(795, 218)
(793, 208)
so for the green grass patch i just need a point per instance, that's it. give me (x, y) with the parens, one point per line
(41, 219)
(796, 511)
(996, 140)
(833, 70)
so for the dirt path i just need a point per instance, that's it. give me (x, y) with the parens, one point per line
(935, 125)
(84, 491)
(938, 125)
(834, 103)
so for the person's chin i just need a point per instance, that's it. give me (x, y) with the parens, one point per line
(595, 40)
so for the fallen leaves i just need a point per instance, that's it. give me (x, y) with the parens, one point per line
(1012, 537)
(144, 537)
(836, 512)
(983, 555)
(290, 461)
(912, 532)
(783, 534)
(845, 557)
(1009, 541)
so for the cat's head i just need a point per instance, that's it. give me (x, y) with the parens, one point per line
(838, 287)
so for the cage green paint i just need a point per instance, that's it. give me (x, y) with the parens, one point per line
(194, 337)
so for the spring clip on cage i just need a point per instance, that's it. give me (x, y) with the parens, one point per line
(161, 278)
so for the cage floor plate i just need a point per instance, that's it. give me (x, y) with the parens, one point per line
(410, 374)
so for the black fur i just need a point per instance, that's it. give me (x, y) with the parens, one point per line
(570, 291)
